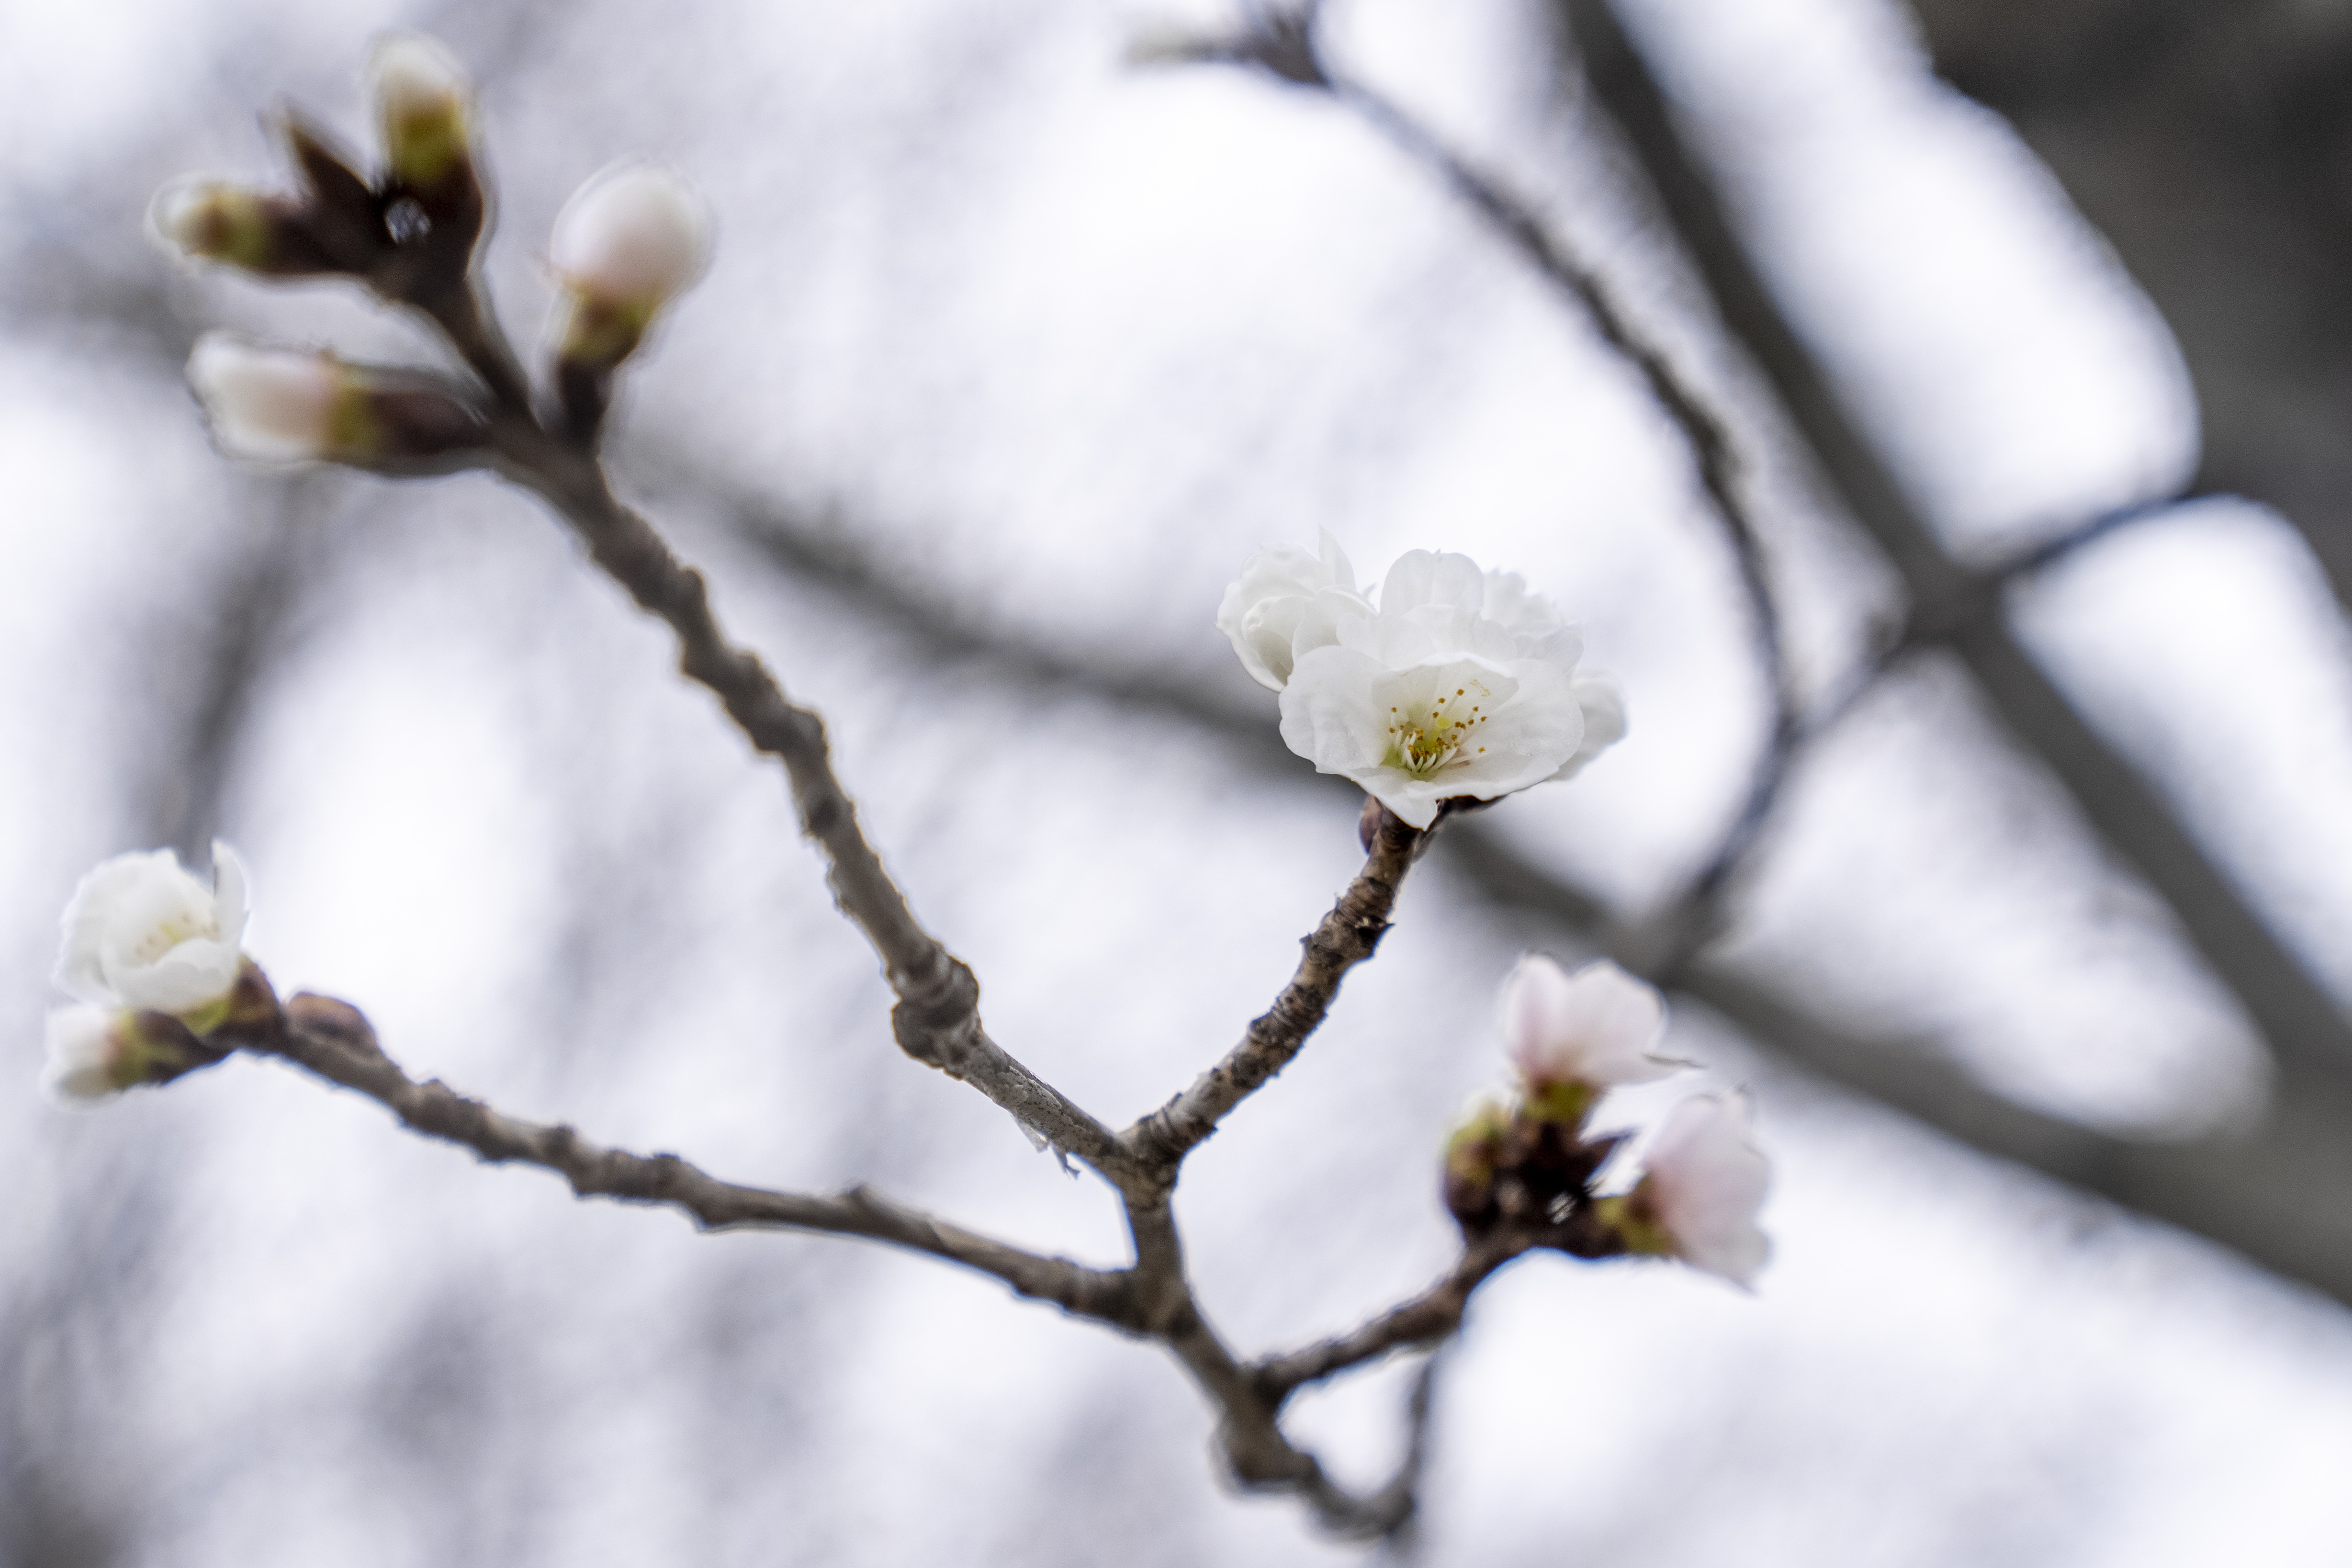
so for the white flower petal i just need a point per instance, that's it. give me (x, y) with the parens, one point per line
(1287, 602)
(1705, 1184)
(1429, 578)
(1327, 713)
(229, 909)
(1600, 1026)
(1603, 707)
(140, 932)
(193, 975)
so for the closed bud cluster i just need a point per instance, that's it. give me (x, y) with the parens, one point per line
(629, 241)
(408, 234)
(288, 405)
(1527, 1160)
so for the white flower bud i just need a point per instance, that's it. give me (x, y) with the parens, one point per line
(272, 406)
(627, 242)
(424, 104)
(89, 1052)
(1703, 1185)
(140, 932)
(211, 221)
(1592, 1030)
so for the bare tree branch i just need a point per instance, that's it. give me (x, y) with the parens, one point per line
(332, 1039)
(2310, 1037)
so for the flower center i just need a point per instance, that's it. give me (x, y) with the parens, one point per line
(167, 934)
(1425, 736)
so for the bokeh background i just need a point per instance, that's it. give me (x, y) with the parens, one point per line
(1012, 351)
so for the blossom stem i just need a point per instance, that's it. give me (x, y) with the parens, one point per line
(1347, 936)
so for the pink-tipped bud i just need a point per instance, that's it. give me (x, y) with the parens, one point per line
(273, 405)
(629, 240)
(284, 406)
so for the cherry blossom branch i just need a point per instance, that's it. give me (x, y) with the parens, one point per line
(936, 1016)
(1345, 938)
(1151, 1299)
(334, 1040)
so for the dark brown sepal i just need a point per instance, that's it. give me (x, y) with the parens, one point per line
(341, 215)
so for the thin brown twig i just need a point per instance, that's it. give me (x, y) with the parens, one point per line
(1346, 937)
(1152, 1300)
(334, 1040)
(937, 1016)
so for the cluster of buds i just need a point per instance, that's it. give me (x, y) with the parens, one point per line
(151, 956)
(1529, 1161)
(409, 232)
(630, 240)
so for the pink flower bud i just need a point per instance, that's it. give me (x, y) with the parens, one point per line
(269, 405)
(1704, 1185)
(629, 240)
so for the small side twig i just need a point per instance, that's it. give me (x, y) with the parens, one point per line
(1345, 938)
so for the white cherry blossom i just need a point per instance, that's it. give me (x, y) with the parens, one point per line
(1596, 1029)
(1458, 683)
(1703, 1185)
(140, 932)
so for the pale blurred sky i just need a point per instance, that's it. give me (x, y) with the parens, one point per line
(1067, 341)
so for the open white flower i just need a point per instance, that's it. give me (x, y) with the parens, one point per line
(88, 1052)
(140, 932)
(1591, 1030)
(1703, 1186)
(1460, 682)
(274, 405)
